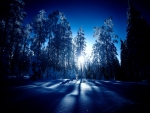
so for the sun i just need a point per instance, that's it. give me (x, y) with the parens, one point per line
(81, 59)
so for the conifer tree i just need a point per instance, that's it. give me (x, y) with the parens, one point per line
(12, 30)
(106, 49)
(138, 32)
(80, 45)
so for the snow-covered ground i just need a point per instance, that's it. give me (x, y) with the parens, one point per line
(77, 96)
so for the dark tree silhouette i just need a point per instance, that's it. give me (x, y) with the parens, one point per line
(11, 31)
(123, 57)
(138, 32)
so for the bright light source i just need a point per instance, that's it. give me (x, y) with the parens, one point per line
(81, 59)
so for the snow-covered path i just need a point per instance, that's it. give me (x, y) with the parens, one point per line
(82, 96)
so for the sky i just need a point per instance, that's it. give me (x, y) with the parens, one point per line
(88, 14)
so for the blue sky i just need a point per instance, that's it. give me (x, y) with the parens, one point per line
(88, 13)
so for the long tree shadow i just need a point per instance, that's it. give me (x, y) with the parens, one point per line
(74, 106)
(39, 100)
(130, 92)
(59, 96)
(99, 100)
(77, 103)
(88, 99)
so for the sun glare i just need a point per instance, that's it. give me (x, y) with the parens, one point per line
(81, 59)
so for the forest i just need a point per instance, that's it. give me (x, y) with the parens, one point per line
(44, 68)
(46, 48)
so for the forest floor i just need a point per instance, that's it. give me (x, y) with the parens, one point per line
(77, 96)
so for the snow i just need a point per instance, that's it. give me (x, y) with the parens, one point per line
(75, 96)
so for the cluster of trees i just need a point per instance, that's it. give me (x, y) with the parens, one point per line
(43, 44)
(135, 57)
(104, 63)
(12, 36)
(46, 45)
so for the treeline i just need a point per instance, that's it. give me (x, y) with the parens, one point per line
(135, 57)
(46, 47)
(104, 63)
(43, 45)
